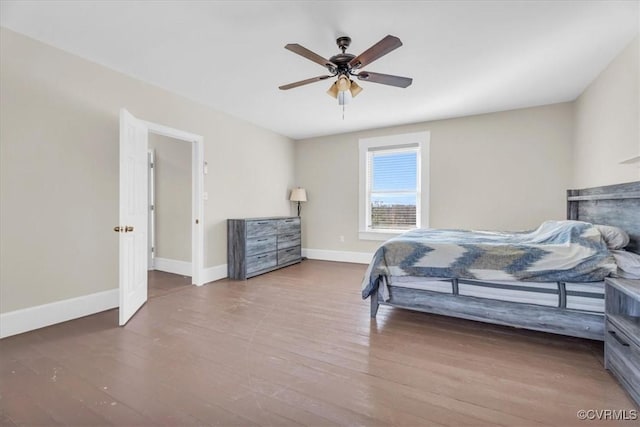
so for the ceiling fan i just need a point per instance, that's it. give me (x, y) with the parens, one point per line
(344, 65)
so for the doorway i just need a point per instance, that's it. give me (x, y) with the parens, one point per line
(170, 201)
(134, 213)
(197, 191)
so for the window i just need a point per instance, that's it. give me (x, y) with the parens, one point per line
(393, 190)
(392, 199)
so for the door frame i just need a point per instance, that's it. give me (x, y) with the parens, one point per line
(151, 226)
(197, 194)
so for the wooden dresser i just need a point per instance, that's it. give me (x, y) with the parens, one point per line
(622, 337)
(259, 245)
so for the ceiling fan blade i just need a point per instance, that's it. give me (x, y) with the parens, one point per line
(303, 82)
(376, 51)
(312, 56)
(385, 79)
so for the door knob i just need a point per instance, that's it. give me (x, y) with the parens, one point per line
(128, 228)
(117, 229)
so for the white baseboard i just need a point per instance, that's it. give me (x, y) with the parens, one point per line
(28, 319)
(214, 273)
(340, 256)
(173, 266)
(184, 268)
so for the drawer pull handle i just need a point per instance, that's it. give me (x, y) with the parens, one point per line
(262, 223)
(261, 256)
(262, 240)
(620, 341)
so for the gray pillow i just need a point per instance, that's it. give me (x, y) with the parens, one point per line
(614, 237)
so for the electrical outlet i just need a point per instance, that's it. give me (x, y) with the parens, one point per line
(342, 239)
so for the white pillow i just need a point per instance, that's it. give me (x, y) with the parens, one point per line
(614, 237)
(628, 264)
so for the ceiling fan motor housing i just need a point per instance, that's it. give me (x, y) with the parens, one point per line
(342, 60)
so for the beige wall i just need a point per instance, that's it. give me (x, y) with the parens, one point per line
(173, 204)
(59, 167)
(59, 170)
(507, 170)
(607, 124)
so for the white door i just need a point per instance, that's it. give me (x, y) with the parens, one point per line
(133, 215)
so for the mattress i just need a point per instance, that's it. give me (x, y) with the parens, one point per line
(587, 297)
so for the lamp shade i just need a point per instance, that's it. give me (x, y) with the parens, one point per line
(343, 83)
(333, 90)
(298, 195)
(355, 89)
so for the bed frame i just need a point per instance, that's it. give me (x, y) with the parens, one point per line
(617, 205)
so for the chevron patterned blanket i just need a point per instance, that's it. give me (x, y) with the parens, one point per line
(557, 251)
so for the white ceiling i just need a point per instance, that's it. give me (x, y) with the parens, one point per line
(465, 57)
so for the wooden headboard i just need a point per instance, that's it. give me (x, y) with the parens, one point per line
(617, 205)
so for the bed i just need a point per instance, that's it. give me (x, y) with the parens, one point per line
(562, 294)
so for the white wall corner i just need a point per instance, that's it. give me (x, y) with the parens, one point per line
(29, 319)
(214, 273)
(173, 266)
(340, 256)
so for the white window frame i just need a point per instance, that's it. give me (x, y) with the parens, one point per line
(422, 140)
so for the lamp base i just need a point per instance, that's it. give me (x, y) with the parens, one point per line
(298, 208)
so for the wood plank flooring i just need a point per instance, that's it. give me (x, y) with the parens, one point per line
(161, 283)
(295, 347)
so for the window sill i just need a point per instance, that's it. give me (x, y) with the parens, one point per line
(379, 235)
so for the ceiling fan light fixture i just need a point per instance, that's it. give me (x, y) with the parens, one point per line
(354, 89)
(343, 83)
(344, 97)
(333, 90)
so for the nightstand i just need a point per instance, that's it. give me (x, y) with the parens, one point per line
(622, 333)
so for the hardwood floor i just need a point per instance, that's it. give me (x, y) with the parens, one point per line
(296, 347)
(161, 283)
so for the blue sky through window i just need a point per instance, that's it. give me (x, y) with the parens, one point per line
(394, 172)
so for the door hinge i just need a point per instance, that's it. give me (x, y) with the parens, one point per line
(153, 249)
(152, 207)
(151, 165)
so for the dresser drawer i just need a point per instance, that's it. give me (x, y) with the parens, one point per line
(261, 262)
(261, 228)
(622, 357)
(288, 255)
(289, 225)
(261, 244)
(288, 240)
